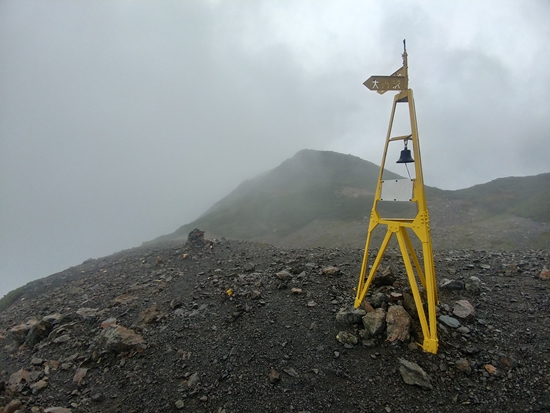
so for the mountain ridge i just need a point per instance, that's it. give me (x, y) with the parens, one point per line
(296, 203)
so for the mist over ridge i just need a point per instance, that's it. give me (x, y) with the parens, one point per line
(324, 198)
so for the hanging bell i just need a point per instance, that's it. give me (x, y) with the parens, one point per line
(405, 156)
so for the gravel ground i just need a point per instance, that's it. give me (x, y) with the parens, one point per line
(252, 328)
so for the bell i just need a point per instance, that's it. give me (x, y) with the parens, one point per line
(405, 156)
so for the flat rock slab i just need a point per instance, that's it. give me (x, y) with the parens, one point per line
(449, 321)
(413, 374)
(463, 309)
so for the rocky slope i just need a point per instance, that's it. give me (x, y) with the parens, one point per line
(257, 328)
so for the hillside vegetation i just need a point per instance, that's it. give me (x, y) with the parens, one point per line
(322, 198)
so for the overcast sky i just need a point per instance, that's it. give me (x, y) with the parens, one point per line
(122, 120)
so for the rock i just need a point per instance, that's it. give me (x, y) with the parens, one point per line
(176, 303)
(296, 291)
(193, 380)
(345, 337)
(410, 305)
(274, 376)
(473, 285)
(365, 305)
(12, 406)
(117, 339)
(463, 309)
(291, 372)
(508, 362)
(78, 377)
(386, 278)
(451, 285)
(149, 316)
(38, 332)
(35, 361)
(52, 318)
(489, 368)
(413, 374)
(284, 275)
(378, 300)
(87, 313)
(111, 321)
(449, 321)
(124, 299)
(97, 397)
(179, 404)
(57, 410)
(544, 274)
(463, 365)
(374, 322)
(249, 267)
(39, 386)
(349, 315)
(18, 380)
(398, 323)
(19, 332)
(463, 330)
(331, 270)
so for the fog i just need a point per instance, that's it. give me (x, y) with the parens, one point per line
(122, 120)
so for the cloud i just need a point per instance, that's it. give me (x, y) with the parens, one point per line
(122, 121)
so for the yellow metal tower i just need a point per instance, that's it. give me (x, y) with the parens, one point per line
(404, 190)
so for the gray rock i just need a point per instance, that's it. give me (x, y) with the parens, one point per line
(291, 372)
(38, 332)
(284, 275)
(378, 299)
(351, 315)
(449, 321)
(451, 285)
(375, 322)
(386, 278)
(409, 304)
(193, 380)
(473, 285)
(413, 374)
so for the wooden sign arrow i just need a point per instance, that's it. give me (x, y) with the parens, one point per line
(386, 83)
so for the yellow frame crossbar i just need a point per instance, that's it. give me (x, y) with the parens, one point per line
(419, 225)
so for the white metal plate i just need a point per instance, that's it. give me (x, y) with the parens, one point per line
(397, 190)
